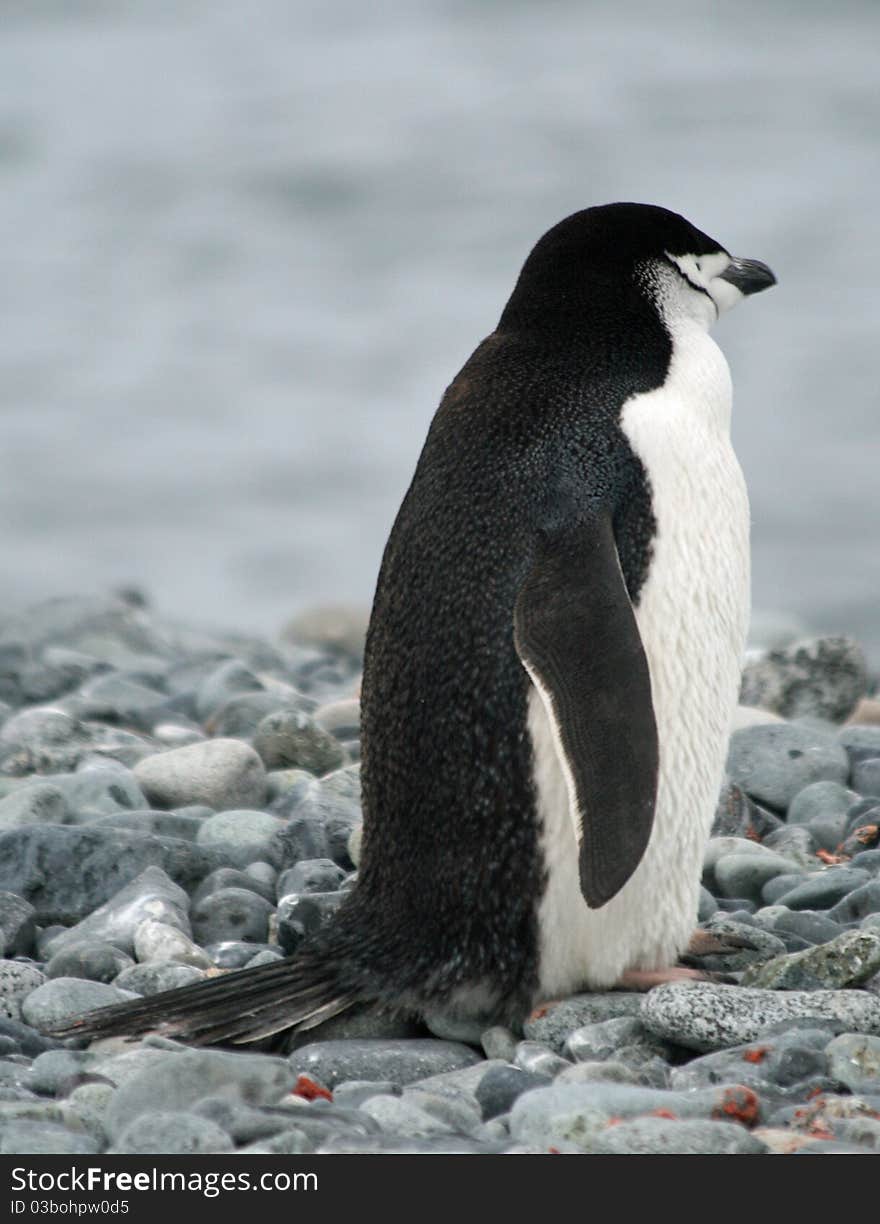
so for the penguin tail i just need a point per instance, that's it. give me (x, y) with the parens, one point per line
(249, 1005)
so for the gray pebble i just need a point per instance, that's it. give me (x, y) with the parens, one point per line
(400, 1116)
(221, 773)
(744, 875)
(610, 1071)
(171, 1134)
(499, 1042)
(848, 960)
(353, 1093)
(705, 1016)
(501, 1086)
(151, 895)
(822, 890)
(152, 978)
(300, 916)
(780, 887)
(796, 843)
(52, 1072)
(861, 743)
(538, 1059)
(232, 877)
(89, 958)
(822, 808)
(40, 803)
(866, 776)
(553, 1022)
(17, 925)
(454, 1028)
(239, 1121)
(624, 1037)
(400, 1062)
(814, 928)
(854, 1061)
(320, 875)
(858, 903)
(17, 980)
(231, 913)
(64, 999)
(231, 679)
(750, 945)
(823, 677)
(175, 1080)
(241, 836)
(66, 872)
(665, 1136)
(159, 941)
(775, 761)
(291, 739)
(44, 1139)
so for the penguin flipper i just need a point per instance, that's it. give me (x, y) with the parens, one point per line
(576, 635)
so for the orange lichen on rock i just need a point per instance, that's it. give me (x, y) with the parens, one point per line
(757, 1054)
(310, 1090)
(739, 1104)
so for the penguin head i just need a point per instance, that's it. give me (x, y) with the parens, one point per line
(606, 254)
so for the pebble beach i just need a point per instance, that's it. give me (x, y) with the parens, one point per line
(178, 802)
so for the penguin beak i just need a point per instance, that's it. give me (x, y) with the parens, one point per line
(748, 275)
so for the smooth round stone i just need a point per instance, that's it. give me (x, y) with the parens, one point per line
(231, 914)
(91, 959)
(345, 782)
(399, 1116)
(854, 1061)
(156, 976)
(241, 716)
(289, 784)
(744, 875)
(18, 979)
(28, 1041)
(235, 954)
(707, 906)
(401, 1062)
(866, 776)
(266, 957)
(174, 1080)
(99, 787)
(53, 1071)
(221, 773)
(157, 941)
(778, 887)
(857, 904)
(625, 1038)
(867, 860)
(310, 876)
(823, 808)
(301, 915)
(861, 743)
(40, 803)
(64, 999)
(848, 960)
(795, 842)
(44, 1139)
(152, 894)
(665, 1136)
(341, 628)
(499, 1042)
(538, 1059)
(176, 734)
(864, 812)
(171, 1134)
(163, 824)
(341, 718)
(352, 1093)
(706, 1016)
(553, 1023)
(290, 738)
(774, 763)
(67, 872)
(116, 698)
(241, 835)
(824, 889)
(231, 679)
(232, 877)
(18, 926)
(810, 926)
(821, 677)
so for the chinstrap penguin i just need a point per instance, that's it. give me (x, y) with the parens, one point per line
(552, 662)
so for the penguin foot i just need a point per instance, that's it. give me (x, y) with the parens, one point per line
(707, 943)
(646, 979)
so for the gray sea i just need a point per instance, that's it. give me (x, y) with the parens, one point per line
(245, 248)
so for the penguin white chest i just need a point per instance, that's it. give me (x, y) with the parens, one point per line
(692, 615)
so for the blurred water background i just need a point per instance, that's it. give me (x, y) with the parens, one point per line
(245, 248)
